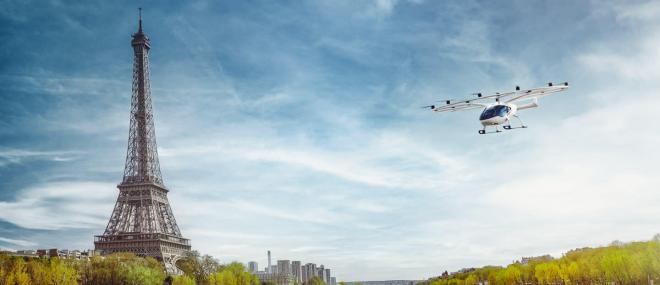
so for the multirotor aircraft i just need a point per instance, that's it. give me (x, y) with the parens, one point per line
(506, 105)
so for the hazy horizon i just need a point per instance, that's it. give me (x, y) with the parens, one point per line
(296, 127)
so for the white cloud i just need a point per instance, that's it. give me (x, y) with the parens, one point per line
(11, 156)
(385, 7)
(385, 160)
(62, 205)
(631, 66)
(643, 11)
(19, 242)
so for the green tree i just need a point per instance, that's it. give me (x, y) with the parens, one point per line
(471, 279)
(233, 274)
(199, 267)
(18, 274)
(512, 275)
(138, 274)
(317, 281)
(183, 280)
(619, 267)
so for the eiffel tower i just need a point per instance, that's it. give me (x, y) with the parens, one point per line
(142, 221)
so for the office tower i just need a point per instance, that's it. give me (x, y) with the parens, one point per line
(321, 273)
(253, 266)
(333, 281)
(304, 274)
(269, 265)
(310, 268)
(296, 270)
(327, 276)
(284, 267)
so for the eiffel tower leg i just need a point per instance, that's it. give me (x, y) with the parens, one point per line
(170, 264)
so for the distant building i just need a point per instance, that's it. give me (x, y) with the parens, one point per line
(279, 279)
(284, 267)
(333, 281)
(296, 271)
(92, 252)
(42, 252)
(321, 273)
(310, 271)
(24, 253)
(327, 276)
(253, 267)
(526, 260)
(65, 253)
(269, 265)
(54, 252)
(465, 270)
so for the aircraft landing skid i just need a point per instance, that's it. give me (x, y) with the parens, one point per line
(511, 128)
(484, 132)
(497, 130)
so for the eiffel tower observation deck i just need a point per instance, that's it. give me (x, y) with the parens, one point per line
(142, 221)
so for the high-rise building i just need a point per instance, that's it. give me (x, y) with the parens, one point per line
(277, 279)
(321, 273)
(142, 221)
(333, 281)
(283, 267)
(253, 266)
(296, 270)
(269, 265)
(311, 272)
(327, 276)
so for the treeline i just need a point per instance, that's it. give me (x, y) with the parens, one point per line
(635, 263)
(123, 268)
(206, 270)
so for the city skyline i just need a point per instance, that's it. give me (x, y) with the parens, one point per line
(296, 127)
(286, 271)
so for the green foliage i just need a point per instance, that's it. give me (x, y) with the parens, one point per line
(317, 281)
(233, 274)
(123, 268)
(618, 263)
(183, 280)
(198, 267)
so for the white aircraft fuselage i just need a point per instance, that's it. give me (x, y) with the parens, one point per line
(500, 114)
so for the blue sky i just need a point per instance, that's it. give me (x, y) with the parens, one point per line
(296, 127)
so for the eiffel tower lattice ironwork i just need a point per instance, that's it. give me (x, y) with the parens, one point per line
(142, 221)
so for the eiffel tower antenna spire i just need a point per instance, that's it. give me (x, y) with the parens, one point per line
(140, 20)
(142, 221)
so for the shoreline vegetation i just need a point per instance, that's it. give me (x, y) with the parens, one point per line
(120, 268)
(633, 263)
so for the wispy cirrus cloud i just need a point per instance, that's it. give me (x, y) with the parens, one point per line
(18, 242)
(12, 156)
(57, 206)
